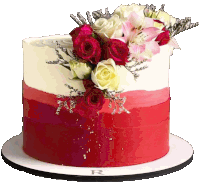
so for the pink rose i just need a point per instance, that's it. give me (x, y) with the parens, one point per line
(117, 50)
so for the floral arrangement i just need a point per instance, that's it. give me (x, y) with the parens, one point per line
(132, 33)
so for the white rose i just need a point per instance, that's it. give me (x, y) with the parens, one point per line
(105, 75)
(80, 70)
(110, 28)
(125, 10)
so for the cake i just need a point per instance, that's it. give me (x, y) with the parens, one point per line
(100, 96)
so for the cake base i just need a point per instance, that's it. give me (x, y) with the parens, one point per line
(179, 156)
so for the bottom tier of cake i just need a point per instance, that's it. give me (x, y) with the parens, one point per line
(109, 141)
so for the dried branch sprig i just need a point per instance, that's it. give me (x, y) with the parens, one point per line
(57, 52)
(152, 9)
(100, 12)
(181, 25)
(96, 15)
(73, 90)
(162, 7)
(61, 60)
(76, 20)
(71, 100)
(117, 100)
(135, 75)
(64, 103)
(129, 68)
(60, 105)
(139, 63)
(81, 18)
(141, 68)
(65, 50)
(89, 18)
(107, 14)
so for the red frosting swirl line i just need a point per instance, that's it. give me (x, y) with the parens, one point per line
(135, 99)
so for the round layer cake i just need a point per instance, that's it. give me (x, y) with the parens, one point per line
(109, 140)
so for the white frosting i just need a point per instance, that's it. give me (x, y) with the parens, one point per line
(52, 77)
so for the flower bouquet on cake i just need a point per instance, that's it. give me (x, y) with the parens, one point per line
(127, 38)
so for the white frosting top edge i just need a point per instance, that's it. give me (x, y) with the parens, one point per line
(49, 41)
(51, 78)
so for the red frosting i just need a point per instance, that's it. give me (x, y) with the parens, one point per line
(108, 141)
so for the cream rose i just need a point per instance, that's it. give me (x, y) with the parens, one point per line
(80, 70)
(105, 75)
(124, 11)
(162, 16)
(166, 18)
(158, 25)
(110, 28)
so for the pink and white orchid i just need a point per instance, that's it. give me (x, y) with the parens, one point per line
(139, 33)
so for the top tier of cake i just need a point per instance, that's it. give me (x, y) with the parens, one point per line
(51, 78)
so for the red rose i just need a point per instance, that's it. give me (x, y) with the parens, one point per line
(88, 83)
(117, 50)
(91, 102)
(93, 97)
(87, 48)
(163, 38)
(82, 30)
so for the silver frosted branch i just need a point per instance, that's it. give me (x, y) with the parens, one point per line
(141, 68)
(106, 11)
(129, 68)
(81, 18)
(96, 15)
(162, 7)
(117, 100)
(72, 100)
(100, 12)
(181, 25)
(80, 93)
(75, 19)
(152, 7)
(89, 18)
(61, 61)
